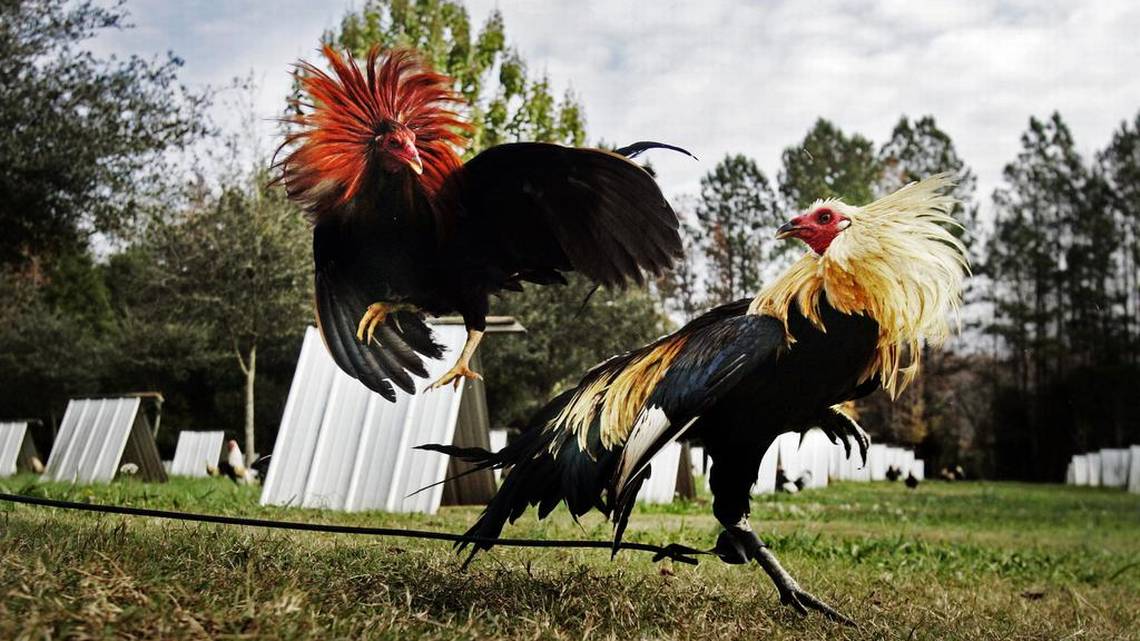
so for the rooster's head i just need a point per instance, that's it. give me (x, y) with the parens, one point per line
(822, 222)
(391, 115)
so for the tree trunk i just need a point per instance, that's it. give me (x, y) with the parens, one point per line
(250, 375)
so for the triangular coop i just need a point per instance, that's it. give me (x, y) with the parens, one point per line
(17, 450)
(98, 436)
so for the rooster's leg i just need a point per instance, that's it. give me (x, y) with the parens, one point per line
(739, 543)
(462, 367)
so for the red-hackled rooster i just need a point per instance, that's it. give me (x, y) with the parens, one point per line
(846, 318)
(402, 226)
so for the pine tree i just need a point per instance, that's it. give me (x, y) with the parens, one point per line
(738, 214)
(829, 163)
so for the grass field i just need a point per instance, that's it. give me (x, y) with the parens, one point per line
(948, 561)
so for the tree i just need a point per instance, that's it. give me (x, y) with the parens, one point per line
(515, 108)
(738, 215)
(238, 266)
(679, 289)
(83, 138)
(1119, 165)
(1051, 260)
(828, 163)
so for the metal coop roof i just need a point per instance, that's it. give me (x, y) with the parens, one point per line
(97, 436)
(16, 448)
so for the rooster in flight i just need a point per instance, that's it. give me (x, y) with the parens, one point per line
(403, 227)
(845, 319)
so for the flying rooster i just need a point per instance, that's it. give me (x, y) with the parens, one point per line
(403, 227)
(845, 319)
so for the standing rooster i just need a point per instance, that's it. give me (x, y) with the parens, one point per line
(846, 318)
(402, 226)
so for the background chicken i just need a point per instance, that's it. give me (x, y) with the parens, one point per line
(402, 226)
(844, 320)
(233, 466)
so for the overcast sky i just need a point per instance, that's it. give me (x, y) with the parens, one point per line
(718, 76)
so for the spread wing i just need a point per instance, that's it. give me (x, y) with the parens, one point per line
(344, 278)
(545, 206)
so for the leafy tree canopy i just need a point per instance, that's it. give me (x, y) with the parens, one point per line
(829, 163)
(83, 137)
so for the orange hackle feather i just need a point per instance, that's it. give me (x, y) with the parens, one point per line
(333, 145)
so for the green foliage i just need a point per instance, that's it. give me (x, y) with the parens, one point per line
(738, 216)
(566, 336)
(235, 267)
(1119, 166)
(47, 351)
(239, 262)
(1055, 259)
(84, 137)
(506, 104)
(828, 163)
(679, 289)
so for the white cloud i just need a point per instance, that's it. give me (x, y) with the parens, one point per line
(720, 76)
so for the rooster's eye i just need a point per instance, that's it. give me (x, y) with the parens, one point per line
(825, 218)
(393, 143)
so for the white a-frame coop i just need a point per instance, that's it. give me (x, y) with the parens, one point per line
(341, 446)
(17, 451)
(99, 436)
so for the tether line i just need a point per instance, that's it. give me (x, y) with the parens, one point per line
(672, 551)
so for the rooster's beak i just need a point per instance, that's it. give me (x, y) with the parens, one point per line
(412, 157)
(787, 230)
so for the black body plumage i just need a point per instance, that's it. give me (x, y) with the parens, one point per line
(735, 385)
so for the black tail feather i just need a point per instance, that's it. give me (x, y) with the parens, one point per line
(637, 148)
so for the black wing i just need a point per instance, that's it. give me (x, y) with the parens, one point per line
(714, 360)
(342, 286)
(544, 206)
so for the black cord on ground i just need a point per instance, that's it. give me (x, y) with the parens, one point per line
(672, 551)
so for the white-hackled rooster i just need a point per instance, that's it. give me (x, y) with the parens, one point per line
(847, 318)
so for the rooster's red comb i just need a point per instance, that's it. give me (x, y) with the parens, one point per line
(332, 143)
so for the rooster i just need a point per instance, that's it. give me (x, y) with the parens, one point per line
(402, 226)
(233, 466)
(846, 319)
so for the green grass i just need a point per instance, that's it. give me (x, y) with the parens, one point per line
(949, 561)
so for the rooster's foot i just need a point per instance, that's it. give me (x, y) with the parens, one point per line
(373, 317)
(792, 594)
(841, 428)
(457, 373)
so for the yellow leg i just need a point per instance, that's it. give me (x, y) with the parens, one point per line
(462, 367)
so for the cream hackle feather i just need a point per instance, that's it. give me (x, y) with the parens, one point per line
(897, 263)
